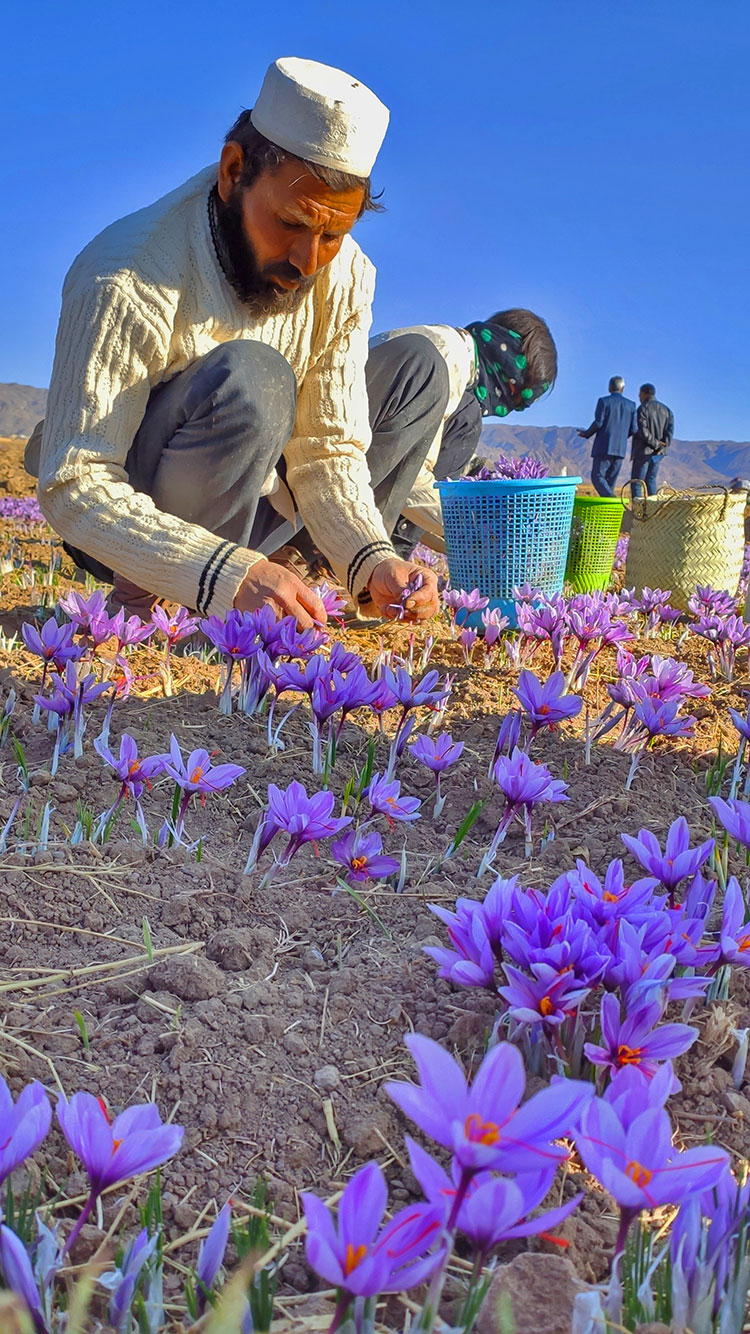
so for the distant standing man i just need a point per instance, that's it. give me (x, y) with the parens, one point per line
(651, 441)
(614, 421)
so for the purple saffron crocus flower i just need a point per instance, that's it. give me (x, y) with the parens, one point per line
(135, 1142)
(384, 795)
(360, 852)
(671, 679)
(113, 1151)
(24, 1124)
(175, 627)
(494, 1209)
(19, 1276)
(548, 997)
(353, 1255)
(678, 861)
(545, 704)
(638, 1039)
(129, 631)
(134, 773)
(482, 1123)
(612, 898)
(467, 639)
(411, 694)
(82, 609)
(333, 599)
(71, 692)
(343, 659)
(305, 819)
(735, 817)
(660, 719)
(382, 700)
(639, 1165)
(547, 619)
(631, 1092)
(471, 962)
(524, 785)
(494, 623)
(234, 635)
(437, 754)
(121, 1282)
(211, 1256)
(527, 594)
(472, 601)
(735, 931)
(299, 677)
(197, 773)
(508, 737)
(54, 644)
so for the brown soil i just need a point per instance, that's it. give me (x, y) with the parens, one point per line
(269, 1020)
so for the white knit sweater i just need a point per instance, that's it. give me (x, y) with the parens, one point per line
(145, 299)
(456, 347)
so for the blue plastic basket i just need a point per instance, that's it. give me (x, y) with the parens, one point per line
(502, 534)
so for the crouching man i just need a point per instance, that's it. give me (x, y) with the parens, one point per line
(210, 386)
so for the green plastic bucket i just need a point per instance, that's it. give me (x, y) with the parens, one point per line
(593, 540)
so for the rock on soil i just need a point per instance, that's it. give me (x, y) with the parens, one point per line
(188, 976)
(534, 1294)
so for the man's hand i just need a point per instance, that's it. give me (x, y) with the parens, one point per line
(584, 435)
(284, 592)
(388, 582)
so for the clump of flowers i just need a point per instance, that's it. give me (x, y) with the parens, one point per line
(21, 509)
(726, 635)
(506, 468)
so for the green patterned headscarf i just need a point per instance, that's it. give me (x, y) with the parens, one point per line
(501, 385)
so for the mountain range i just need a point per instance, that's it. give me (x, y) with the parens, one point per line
(688, 463)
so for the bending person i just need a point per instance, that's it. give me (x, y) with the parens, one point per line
(495, 367)
(209, 378)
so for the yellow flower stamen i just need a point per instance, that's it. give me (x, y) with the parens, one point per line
(479, 1131)
(629, 1055)
(638, 1174)
(354, 1256)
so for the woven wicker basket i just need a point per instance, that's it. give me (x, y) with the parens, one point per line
(685, 538)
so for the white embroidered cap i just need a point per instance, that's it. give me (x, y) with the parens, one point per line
(321, 114)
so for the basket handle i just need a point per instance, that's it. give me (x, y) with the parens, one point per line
(674, 495)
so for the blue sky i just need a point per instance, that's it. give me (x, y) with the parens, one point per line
(586, 158)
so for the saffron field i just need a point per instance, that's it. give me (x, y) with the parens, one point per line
(340, 970)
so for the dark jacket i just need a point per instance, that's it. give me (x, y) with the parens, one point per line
(614, 421)
(655, 428)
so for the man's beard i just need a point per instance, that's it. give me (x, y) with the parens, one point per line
(254, 285)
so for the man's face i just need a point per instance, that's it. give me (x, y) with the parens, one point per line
(643, 397)
(282, 230)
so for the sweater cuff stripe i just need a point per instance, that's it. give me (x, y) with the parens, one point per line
(216, 572)
(200, 605)
(362, 555)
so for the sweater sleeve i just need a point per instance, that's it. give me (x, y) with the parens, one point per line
(108, 355)
(327, 457)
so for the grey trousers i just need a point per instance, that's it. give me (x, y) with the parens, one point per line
(212, 434)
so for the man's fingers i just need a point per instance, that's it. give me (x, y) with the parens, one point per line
(312, 603)
(421, 598)
(304, 619)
